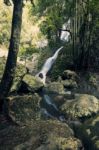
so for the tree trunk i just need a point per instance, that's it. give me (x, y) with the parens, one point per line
(9, 72)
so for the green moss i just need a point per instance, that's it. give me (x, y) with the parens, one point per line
(20, 71)
(36, 135)
(25, 108)
(33, 83)
(68, 143)
(55, 87)
(69, 83)
(83, 105)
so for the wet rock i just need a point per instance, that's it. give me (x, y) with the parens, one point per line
(40, 135)
(68, 74)
(82, 106)
(55, 88)
(23, 109)
(60, 99)
(89, 133)
(31, 83)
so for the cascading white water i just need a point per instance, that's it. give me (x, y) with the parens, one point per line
(50, 61)
(47, 66)
(51, 110)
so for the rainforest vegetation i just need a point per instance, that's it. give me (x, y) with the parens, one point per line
(49, 74)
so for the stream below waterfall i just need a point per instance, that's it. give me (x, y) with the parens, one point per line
(49, 109)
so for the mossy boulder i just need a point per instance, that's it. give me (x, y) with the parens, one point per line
(68, 74)
(60, 143)
(88, 132)
(69, 84)
(60, 99)
(40, 135)
(23, 109)
(83, 105)
(55, 88)
(31, 83)
(19, 73)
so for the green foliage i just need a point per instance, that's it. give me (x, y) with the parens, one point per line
(55, 14)
(27, 52)
(5, 24)
(44, 54)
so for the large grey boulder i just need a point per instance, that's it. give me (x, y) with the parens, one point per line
(40, 135)
(24, 109)
(70, 84)
(55, 88)
(83, 105)
(68, 74)
(32, 83)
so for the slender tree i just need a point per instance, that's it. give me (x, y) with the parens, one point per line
(11, 62)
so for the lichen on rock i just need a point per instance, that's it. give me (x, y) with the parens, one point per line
(83, 105)
(54, 87)
(69, 83)
(19, 73)
(32, 83)
(23, 109)
(40, 134)
(68, 74)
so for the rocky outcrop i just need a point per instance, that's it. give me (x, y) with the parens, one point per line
(24, 109)
(83, 105)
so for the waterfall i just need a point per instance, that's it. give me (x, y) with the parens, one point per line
(47, 66)
(50, 61)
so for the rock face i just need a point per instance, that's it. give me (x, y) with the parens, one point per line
(89, 133)
(83, 105)
(40, 135)
(23, 109)
(31, 83)
(20, 72)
